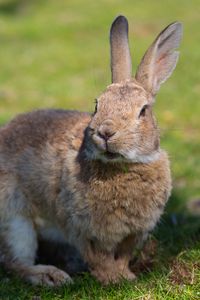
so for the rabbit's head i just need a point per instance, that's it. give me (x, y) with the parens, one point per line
(123, 127)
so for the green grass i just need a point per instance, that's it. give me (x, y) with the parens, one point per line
(56, 54)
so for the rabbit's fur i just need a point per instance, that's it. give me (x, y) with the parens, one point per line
(98, 182)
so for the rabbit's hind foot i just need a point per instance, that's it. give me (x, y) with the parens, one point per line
(46, 275)
(18, 251)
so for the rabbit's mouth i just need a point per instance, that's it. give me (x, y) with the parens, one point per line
(111, 155)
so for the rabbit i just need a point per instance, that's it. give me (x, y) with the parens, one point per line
(99, 182)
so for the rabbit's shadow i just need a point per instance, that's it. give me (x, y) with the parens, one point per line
(177, 233)
(178, 230)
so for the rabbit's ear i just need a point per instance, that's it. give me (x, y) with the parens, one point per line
(160, 59)
(120, 54)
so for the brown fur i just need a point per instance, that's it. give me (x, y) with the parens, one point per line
(98, 182)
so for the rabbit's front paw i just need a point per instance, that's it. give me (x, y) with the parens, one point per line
(113, 276)
(47, 275)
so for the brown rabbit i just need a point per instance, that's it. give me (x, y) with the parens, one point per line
(98, 182)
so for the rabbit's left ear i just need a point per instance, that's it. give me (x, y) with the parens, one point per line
(160, 59)
(121, 67)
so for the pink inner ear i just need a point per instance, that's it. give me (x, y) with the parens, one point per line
(164, 66)
(161, 57)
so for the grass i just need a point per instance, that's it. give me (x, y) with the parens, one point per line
(56, 54)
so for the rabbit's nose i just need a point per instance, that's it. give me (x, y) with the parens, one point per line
(105, 133)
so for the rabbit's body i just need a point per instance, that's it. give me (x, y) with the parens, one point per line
(67, 197)
(98, 182)
(51, 163)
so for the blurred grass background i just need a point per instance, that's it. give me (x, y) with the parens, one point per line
(56, 54)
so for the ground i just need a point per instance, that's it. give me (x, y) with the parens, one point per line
(56, 54)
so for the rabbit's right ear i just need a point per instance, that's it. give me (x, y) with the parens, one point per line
(160, 59)
(121, 66)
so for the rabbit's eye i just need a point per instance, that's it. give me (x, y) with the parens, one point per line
(143, 111)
